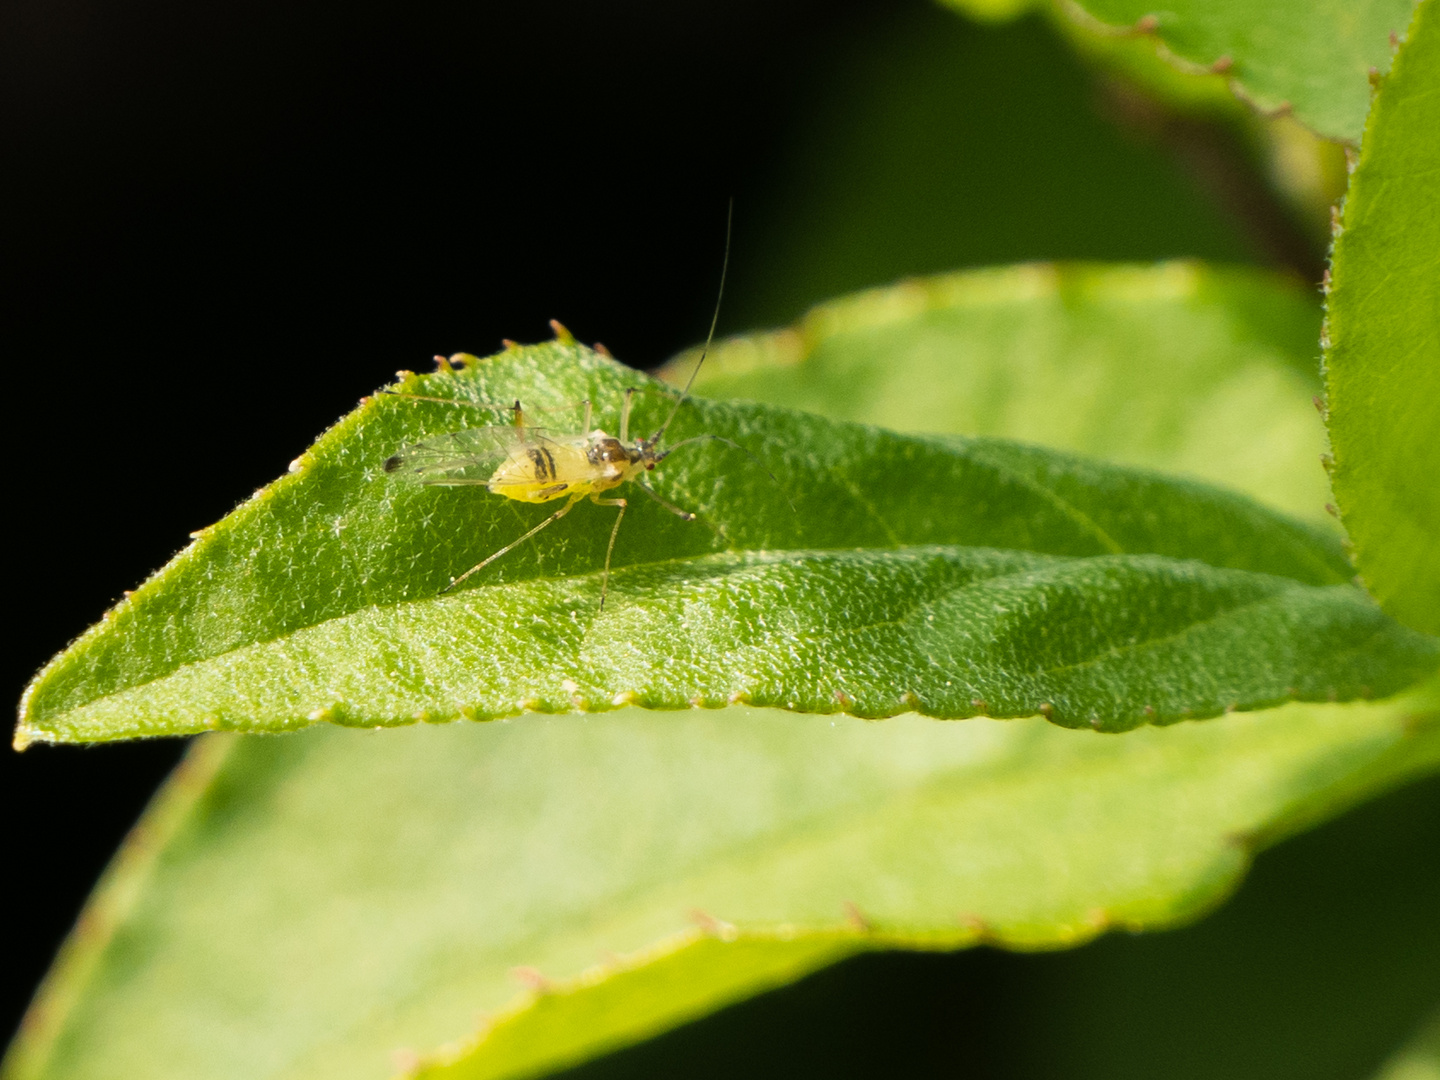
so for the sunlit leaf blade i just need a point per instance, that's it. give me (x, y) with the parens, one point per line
(325, 899)
(1312, 59)
(321, 598)
(1383, 324)
(1112, 641)
(1202, 370)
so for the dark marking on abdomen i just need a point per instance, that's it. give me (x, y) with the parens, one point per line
(544, 463)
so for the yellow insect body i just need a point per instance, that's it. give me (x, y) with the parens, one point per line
(540, 472)
(540, 467)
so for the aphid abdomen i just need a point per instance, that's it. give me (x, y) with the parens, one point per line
(536, 473)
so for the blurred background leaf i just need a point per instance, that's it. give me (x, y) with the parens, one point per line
(1194, 369)
(316, 901)
(1419, 1059)
(1283, 56)
(1287, 981)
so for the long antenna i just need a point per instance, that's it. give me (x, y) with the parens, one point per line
(710, 337)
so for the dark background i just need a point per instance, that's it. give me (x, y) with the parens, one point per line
(222, 223)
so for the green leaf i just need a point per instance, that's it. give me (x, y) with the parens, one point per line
(1312, 59)
(876, 573)
(1139, 59)
(1382, 361)
(1283, 55)
(941, 144)
(1203, 370)
(1419, 1059)
(1155, 92)
(306, 906)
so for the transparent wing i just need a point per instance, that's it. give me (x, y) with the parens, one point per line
(468, 456)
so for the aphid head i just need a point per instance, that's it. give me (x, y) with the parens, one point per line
(610, 451)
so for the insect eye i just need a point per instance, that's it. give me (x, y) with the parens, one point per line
(649, 465)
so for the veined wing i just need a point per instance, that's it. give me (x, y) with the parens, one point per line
(468, 456)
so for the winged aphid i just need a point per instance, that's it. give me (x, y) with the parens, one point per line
(538, 465)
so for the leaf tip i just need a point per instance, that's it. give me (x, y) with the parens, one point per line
(27, 732)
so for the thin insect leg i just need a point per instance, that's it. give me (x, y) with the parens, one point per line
(585, 425)
(516, 543)
(684, 514)
(624, 416)
(605, 577)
